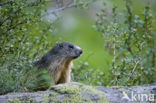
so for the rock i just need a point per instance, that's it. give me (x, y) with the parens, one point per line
(79, 93)
(133, 94)
(63, 93)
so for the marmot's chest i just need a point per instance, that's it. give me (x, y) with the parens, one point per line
(60, 65)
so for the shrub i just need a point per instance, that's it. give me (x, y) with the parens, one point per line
(130, 39)
(22, 38)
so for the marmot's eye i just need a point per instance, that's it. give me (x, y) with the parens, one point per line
(71, 46)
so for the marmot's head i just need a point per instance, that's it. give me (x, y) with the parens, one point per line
(67, 50)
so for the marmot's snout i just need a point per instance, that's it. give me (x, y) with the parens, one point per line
(78, 52)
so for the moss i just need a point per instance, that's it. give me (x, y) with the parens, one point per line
(66, 93)
(77, 91)
(23, 99)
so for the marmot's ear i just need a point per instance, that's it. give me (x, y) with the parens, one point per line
(60, 45)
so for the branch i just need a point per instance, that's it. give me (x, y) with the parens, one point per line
(7, 2)
(30, 4)
(64, 7)
(13, 27)
(48, 13)
(133, 70)
(57, 10)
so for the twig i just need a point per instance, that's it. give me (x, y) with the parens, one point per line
(57, 4)
(57, 10)
(30, 4)
(62, 8)
(13, 27)
(133, 70)
(7, 2)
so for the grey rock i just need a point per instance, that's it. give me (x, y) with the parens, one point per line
(114, 94)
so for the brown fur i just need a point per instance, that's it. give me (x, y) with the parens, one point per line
(60, 71)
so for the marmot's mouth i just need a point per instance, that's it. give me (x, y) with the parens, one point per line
(76, 57)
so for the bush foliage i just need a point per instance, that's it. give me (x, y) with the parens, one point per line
(130, 39)
(21, 39)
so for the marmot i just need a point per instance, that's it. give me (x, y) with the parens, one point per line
(58, 61)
